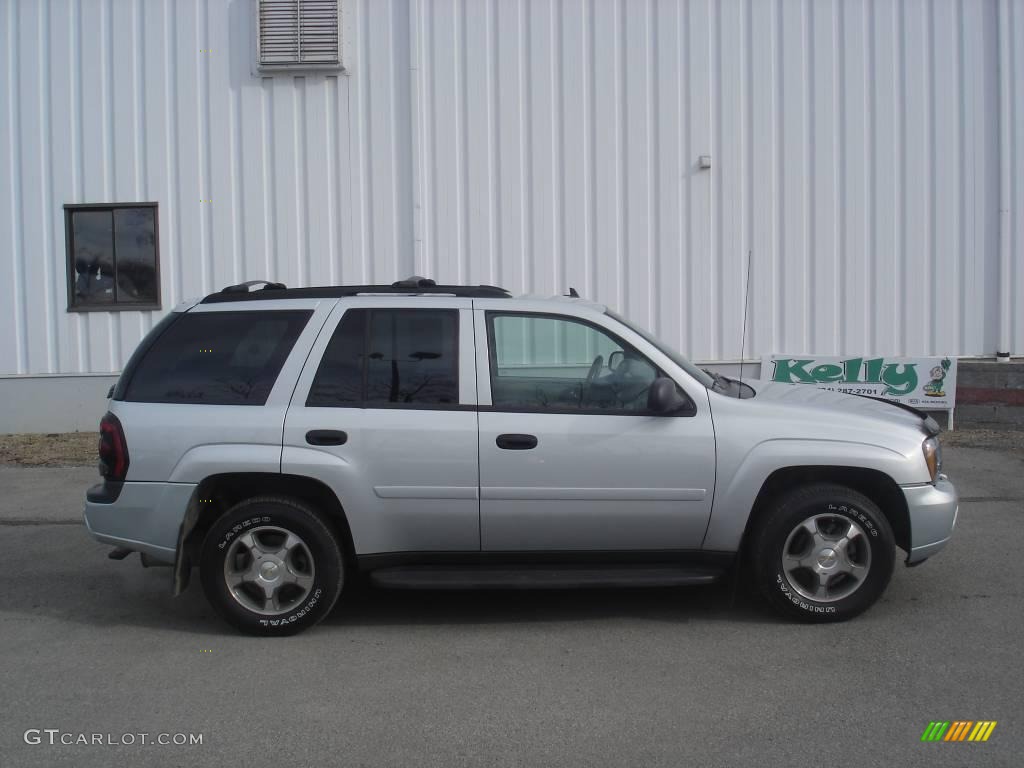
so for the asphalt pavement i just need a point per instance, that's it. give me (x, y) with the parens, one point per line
(672, 677)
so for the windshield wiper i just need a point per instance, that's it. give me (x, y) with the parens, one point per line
(726, 383)
(721, 382)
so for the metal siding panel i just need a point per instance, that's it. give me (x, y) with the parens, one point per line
(917, 186)
(823, 176)
(699, 291)
(30, 277)
(945, 316)
(670, 168)
(221, 161)
(988, 179)
(886, 141)
(11, 317)
(63, 342)
(761, 324)
(729, 163)
(1016, 170)
(543, 253)
(638, 202)
(478, 170)
(797, 292)
(538, 145)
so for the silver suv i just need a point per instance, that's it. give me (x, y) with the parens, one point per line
(447, 437)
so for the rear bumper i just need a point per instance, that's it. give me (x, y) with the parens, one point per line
(932, 510)
(143, 517)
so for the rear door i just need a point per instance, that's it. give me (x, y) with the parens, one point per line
(570, 457)
(384, 413)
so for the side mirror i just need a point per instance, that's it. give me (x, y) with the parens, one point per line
(664, 397)
(615, 359)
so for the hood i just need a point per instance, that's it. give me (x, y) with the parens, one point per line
(828, 404)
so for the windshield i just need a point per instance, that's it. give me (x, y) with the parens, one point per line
(666, 350)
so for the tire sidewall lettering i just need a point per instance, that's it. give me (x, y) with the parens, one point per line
(285, 620)
(235, 529)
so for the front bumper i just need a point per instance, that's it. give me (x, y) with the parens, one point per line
(144, 517)
(932, 510)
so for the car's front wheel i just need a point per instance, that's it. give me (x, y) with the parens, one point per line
(271, 566)
(823, 553)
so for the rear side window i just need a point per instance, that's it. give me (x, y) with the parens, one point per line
(381, 358)
(217, 358)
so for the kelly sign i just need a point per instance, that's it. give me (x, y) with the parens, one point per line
(928, 383)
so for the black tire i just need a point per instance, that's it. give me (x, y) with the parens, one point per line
(788, 590)
(320, 553)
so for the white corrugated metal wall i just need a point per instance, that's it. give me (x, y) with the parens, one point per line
(861, 150)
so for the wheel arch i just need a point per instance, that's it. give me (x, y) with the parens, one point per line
(218, 493)
(873, 483)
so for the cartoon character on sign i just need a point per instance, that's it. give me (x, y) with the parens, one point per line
(934, 387)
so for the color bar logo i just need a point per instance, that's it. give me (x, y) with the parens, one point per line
(958, 730)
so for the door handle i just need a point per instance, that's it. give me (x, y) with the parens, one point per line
(326, 437)
(516, 442)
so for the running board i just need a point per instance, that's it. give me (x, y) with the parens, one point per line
(541, 577)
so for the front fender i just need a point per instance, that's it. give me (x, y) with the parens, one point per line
(739, 482)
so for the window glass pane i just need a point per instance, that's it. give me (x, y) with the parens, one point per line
(339, 379)
(546, 363)
(412, 357)
(93, 257)
(217, 358)
(135, 238)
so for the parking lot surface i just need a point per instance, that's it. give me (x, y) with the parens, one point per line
(617, 678)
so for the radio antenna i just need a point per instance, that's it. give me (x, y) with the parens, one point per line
(743, 333)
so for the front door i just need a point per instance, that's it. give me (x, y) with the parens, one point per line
(570, 456)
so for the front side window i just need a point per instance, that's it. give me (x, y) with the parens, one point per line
(545, 363)
(112, 256)
(217, 358)
(390, 358)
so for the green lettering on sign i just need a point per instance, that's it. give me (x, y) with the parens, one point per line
(900, 382)
(827, 372)
(786, 370)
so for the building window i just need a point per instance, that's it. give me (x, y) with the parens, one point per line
(113, 256)
(298, 34)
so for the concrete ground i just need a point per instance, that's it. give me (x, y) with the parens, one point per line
(617, 678)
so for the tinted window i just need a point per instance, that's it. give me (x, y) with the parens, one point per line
(112, 256)
(339, 379)
(542, 363)
(217, 358)
(382, 357)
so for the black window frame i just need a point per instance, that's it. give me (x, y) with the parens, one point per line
(69, 245)
(363, 403)
(492, 372)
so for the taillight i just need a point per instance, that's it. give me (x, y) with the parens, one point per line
(113, 449)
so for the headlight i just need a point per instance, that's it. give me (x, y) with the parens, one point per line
(932, 456)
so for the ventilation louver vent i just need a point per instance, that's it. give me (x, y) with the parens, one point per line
(299, 33)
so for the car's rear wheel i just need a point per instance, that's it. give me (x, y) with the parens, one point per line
(823, 553)
(271, 566)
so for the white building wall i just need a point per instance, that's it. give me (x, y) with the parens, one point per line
(856, 148)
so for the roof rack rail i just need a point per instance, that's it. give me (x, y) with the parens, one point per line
(244, 287)
(411, 286)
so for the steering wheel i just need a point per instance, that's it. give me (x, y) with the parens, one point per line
(595, 368)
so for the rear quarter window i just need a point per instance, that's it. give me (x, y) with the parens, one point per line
(217, 358)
